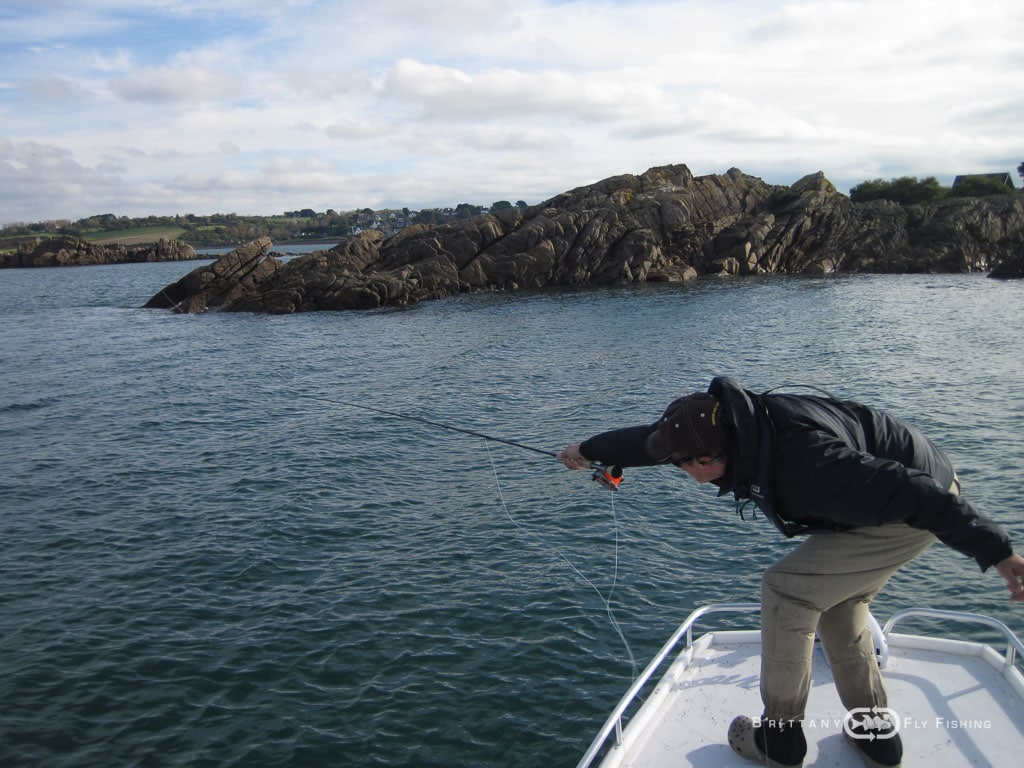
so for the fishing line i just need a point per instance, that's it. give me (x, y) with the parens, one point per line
(544, 545)
(608, 477)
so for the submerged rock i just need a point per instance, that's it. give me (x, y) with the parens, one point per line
(664, 225)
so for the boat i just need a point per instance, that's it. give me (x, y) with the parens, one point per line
(954, 701)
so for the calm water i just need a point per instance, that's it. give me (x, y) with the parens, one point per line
(202, 564)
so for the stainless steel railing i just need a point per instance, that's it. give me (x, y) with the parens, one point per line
(614, 722)
(1013, 643)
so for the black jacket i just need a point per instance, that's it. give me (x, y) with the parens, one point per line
(812, 463)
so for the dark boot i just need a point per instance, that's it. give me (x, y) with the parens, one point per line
(778, 745)
(878, 749)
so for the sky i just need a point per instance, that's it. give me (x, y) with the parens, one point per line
(257, 107)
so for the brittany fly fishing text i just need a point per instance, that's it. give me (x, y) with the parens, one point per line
(905, 723)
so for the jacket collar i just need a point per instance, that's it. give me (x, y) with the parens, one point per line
(741, 414)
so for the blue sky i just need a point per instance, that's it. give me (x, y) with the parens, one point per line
(193, 106)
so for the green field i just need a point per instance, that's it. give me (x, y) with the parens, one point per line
(136, 236)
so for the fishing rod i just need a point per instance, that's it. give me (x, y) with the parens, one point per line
(606, 477)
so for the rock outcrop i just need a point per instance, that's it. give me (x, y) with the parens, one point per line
(231, 278)
(663, 225)
(74, 252)
(1011, 268)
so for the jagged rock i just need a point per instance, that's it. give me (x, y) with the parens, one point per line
(231, 278)
(663, 225)
(72, 251)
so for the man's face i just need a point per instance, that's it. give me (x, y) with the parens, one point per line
(703, 469)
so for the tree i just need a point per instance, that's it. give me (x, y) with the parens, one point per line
(429, 216)
(872, 189)
(500, 205)
(467, 210)
(906, 190)
(1020, 170)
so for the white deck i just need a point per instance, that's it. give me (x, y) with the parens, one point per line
(957, 702)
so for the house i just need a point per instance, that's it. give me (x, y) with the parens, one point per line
(1002, 178)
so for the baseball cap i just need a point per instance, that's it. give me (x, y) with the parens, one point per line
(690, 426)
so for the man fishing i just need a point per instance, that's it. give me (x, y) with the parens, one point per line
(870, 492)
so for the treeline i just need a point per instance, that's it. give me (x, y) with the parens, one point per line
(909, 190)
(231, 228)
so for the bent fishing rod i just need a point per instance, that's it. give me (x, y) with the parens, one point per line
(606, 477)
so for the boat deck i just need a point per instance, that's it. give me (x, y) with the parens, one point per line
(957, 703)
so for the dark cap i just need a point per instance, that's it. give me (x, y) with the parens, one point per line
(690, 426)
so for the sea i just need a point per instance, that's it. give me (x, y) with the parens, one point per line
(214, 553)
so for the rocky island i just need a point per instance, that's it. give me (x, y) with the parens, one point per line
(664, 225)
(75, 252)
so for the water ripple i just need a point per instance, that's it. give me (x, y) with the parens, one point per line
(201, 565)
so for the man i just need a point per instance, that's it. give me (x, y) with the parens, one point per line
(872, 493)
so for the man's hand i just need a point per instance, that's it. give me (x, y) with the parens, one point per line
(1012, 569)
(573, 459)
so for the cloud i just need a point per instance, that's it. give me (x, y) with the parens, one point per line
(52, 89)
(282, 166)
(165, 84)
(111, 61)
(195, 106)
(504, 139)
(1007, 113)
(32, 171)
(137, 153)
(447, 92)
(356, 129)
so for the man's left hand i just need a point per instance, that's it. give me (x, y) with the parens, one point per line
(1012, 569)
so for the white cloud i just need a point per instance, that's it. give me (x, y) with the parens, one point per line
(291, 165)
(504, 139)
(446, 92)
(164, 84)
(111, 61)
(53, 89)
(358, 129)
(259, 107)
(31, 172)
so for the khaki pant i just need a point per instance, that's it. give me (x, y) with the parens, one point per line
(826, 585)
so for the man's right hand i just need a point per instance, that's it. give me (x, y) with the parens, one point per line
(573, 459)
